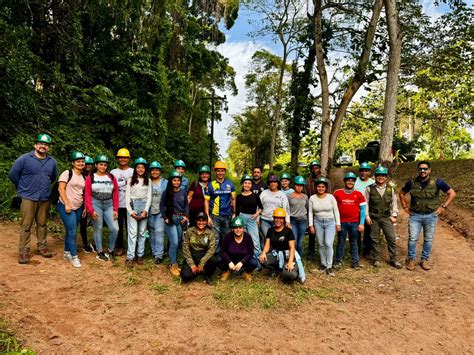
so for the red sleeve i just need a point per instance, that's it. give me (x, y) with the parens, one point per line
(361, 197)
(115, 194)
(88, 196)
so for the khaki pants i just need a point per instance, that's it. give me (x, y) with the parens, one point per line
(36, 211)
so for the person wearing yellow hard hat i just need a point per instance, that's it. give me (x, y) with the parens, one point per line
(279, 252)
(220, 203)
(122, 173)
(32, 174)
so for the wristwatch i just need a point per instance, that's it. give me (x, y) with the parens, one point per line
(444, 206)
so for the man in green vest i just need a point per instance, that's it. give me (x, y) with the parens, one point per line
(424, 209)
(383, 212)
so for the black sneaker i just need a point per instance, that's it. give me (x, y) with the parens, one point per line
(355, 266)
(330, 272)
(112, 256)
(102, 256)
(209, 280)
(88, 249)
(158, 261)
(338, 265)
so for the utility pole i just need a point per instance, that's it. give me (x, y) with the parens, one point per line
(213, 99)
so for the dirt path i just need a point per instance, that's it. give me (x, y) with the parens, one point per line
(103, 308)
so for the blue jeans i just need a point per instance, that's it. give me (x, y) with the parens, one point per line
(221, 226)
(252, 229)
(156, 226)
(70, 220)
(136, 237)
(299, 229)
(265, 225)
(326, 232)
(351, 229)
(174, 233)
(415, 223)
(105, 210)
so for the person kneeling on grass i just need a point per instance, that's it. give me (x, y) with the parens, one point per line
(237, 252)
(199, 245)
(279, 253)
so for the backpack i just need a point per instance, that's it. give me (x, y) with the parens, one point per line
(55, 189)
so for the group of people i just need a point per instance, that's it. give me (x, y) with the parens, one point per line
(262, 227)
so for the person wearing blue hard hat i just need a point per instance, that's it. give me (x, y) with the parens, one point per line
(382, 215)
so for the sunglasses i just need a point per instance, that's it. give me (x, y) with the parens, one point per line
(423, 169)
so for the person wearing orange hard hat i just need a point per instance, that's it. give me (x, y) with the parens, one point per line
(220, 203)
(122, 174)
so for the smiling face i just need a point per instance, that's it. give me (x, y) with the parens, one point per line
(220, 174)
(320, 189)
(380, 179)
(349, 183)
(424, 171)
(155, 173)
(285, 184)
(201, 224)
(238, 231)
(176, 182)
(247, 185)
(79, 164)
(140, 169)
(273, 186)
(41, 148)
(123, 161)
(364, 174)
(278, 221)
(315, 170)
(180, 169)
(101, 167)
(205, 176)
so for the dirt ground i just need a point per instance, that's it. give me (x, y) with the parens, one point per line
(102, 308)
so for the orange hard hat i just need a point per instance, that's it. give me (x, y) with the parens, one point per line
(279, 212)
(220, 165)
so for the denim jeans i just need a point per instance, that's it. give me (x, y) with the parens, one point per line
(351, 229)
(105, 211)
(252, 229)
(136, 237)
(326, 232)
(156, 226)
(265, 225)
(221, 226)
(299, 229)
(416, 222)
(70, 220)
(174, 233)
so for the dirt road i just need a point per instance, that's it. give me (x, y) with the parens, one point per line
(102, 308)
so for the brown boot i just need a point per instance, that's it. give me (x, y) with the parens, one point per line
(247, 276)
(174, 270)
(23, 257)
(411, 264)
(129, 264)
(119, 252)
(225, 276)
(44, 252)
(425, 264)
(140, 260)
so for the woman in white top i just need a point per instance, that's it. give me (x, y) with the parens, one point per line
(271, 199)
(324, 215)
(138, 201)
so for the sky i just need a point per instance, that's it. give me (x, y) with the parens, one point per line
(239, 48)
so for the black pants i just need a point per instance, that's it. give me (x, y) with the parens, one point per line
(209, 267)
(272, 264)
(83, 229)
(367, 245)
(311, 244)
(249, 266)
(122, 223)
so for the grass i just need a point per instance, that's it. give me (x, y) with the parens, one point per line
(158, 288)
(9, 344)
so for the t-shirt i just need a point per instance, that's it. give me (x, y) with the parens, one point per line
(349, 205)
(257, 188)
(122, 177)
(440, 185)
(102, 187)
(298, 206)
(74, 189)
(361, 185)
(220, 197)
(247, 204)
(288, 192)
(280, 240)
(157, 189)
(325, 207)
(273, 200)
(197, 201)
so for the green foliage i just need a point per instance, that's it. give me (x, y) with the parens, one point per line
(9, 344)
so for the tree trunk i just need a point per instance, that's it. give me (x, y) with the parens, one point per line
(390, 103)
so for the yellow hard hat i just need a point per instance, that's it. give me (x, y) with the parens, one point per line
(279, 212)
(220, 165)
(123, 152)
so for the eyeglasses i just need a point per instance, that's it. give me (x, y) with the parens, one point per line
(423, 169)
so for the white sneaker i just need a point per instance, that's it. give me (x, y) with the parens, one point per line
(75, 261)
(67, 256)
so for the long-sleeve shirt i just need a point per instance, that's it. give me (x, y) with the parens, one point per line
(247, 204)
(298, 206)
(97, 189)
(33, 176)
(237, 252)
(135, 192)
(180, 203)
(273, 200)
(193, 241)
(325, 207)
(381, 190)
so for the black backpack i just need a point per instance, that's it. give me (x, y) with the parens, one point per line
(55, 189)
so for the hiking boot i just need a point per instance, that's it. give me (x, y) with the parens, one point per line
(140, 260)
(411, 264)
(111, 255)
(75, 261)
(23, 257)
(330, 272)
(377, 263)
(174, 270)
(158, 261)
(355, 266)
(338, 265)
(247, 276)
(119, 252)
(396, 264)
(209, 280)
(322, 268)
(225, 276)
(102, 256)
(425, 264)
(44, 252)
(129, 263)
(88, 249)
(67, 256)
